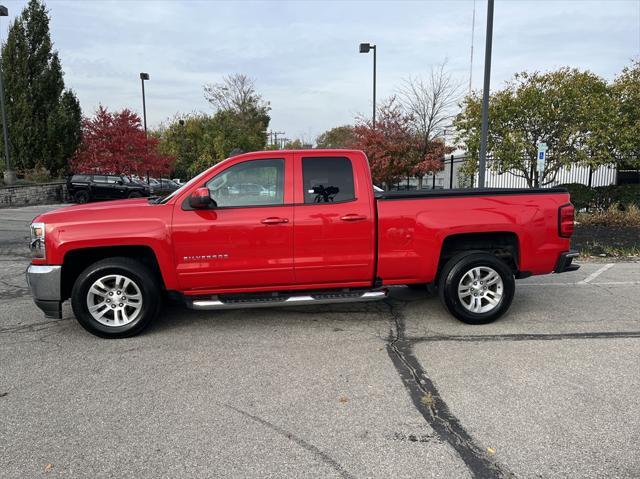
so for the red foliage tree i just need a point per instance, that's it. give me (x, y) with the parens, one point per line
(391, 146)
(394, 148)
(430, 158)
(115, 143)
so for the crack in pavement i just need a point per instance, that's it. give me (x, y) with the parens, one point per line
(319, 454)
(430, 404)
(524, 337)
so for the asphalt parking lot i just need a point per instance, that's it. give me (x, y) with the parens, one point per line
(391, 389)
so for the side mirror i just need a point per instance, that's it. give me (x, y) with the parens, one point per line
(201, 199)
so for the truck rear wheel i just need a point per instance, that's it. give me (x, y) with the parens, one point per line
(476, 287)
(115, 298)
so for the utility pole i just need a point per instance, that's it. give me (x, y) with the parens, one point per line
(485, 97)
(9, 174)
(273, 136)
(143, 77)
(473, 31)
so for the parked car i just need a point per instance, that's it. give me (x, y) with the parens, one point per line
(86, 188)
(162, 186)
(325, 236)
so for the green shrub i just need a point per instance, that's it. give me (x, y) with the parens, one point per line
(39, 174)
(602, 198)
(623, 195)
(581, 195)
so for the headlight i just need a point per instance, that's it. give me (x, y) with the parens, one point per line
(37, 244)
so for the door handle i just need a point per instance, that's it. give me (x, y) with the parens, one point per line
(353, 217)
(273, 220)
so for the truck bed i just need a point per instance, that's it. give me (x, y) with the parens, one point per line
(401, 195)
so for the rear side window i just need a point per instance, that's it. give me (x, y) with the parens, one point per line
(80, 178)
(327, 179)
(100, 179)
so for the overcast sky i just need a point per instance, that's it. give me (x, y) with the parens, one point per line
(304, 55)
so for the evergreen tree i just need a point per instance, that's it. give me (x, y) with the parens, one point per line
(43, 118)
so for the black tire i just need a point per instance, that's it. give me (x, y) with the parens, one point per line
(133, 270)
(454, 271)
(135, 194)
(81, 197)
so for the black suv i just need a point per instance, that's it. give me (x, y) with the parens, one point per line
(85, 188)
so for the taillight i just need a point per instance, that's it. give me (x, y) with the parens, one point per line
(566, 220)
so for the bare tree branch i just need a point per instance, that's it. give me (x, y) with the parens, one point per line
(431, 102)
(236, 92)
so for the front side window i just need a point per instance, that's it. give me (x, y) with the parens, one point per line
(251, 183)
(327, 179)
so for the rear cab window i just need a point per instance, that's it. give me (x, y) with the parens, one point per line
(327, 179)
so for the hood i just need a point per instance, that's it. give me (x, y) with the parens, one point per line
(96, 211)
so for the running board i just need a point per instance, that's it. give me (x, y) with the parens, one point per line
(213, 302)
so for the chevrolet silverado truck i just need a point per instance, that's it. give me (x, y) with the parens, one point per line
(311, 229)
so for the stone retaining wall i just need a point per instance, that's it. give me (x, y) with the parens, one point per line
(43, 194)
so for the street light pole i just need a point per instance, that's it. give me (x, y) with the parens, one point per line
(365, 48)
(485, 97)
(143, 77)
(9, 174)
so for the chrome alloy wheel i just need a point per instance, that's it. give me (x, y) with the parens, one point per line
(114, 300)
(480, 289)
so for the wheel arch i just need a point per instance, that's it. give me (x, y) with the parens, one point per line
(503, 244)
(76, 260)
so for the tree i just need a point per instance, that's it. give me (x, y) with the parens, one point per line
(626, 94)
(391, 146)
(43, 118)
(570, 110)
(242, 116)
(234, 130)
(237, 93)
(338, 137)
(191, 140)
(430, 104)
(115, 143)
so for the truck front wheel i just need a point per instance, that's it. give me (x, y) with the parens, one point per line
(476, 287)
(115, 298)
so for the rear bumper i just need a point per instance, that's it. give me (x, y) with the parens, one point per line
(44, 283)
(564, 265)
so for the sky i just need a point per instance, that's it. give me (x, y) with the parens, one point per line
(304, 55)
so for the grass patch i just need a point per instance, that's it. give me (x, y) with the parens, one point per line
(612, 217)
(606, 250)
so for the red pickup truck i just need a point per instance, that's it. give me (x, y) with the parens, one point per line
(278, 228)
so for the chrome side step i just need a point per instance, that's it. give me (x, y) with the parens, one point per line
(321, 298)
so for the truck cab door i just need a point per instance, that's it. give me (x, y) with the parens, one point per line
(334, 231)
(245, 241)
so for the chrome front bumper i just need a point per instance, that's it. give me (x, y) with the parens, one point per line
(45, 284)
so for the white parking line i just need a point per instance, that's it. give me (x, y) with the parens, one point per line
(583, 283)
(597, 273)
